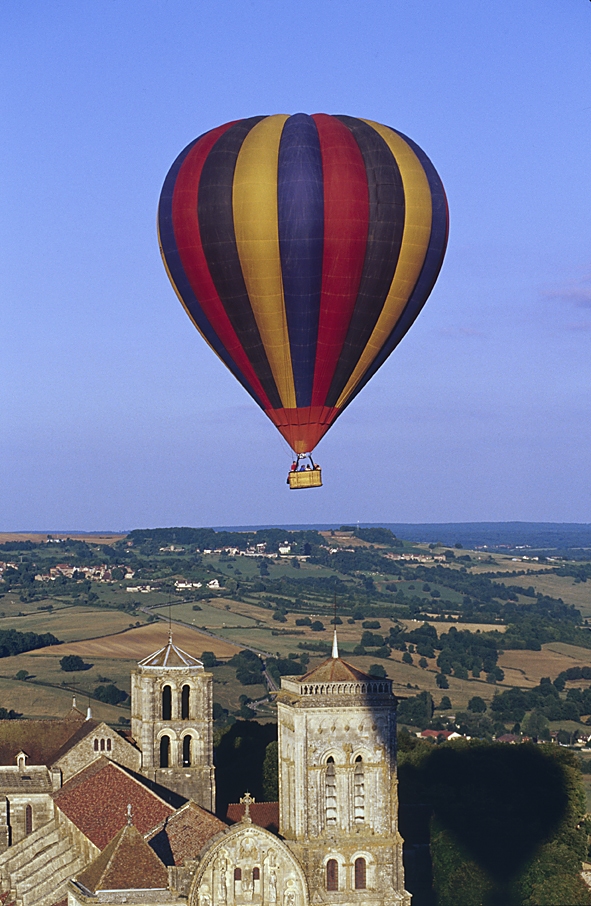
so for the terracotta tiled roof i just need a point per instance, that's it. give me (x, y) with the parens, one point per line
(335, 670)
(126, 863)
(184, 834)
(43, 741)
(265, 814)
(170, 656)
(96, 800)
(435, 734)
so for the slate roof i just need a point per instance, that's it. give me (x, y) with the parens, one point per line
(43, 741)
(96, 801)
(31, 780)
(126, 863)
(184, 834)
(335, 670)
(265, 814)
(171, 656)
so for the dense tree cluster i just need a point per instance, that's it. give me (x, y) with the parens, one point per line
(249, 667)
(13, 642)
(512, 704)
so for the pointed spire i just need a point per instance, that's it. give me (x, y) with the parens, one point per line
(335, 644)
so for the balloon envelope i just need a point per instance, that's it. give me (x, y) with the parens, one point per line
(303, 248)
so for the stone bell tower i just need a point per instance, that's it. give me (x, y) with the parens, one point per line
(338, 795)
(172, 722)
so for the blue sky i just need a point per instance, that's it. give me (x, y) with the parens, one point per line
(114, 414)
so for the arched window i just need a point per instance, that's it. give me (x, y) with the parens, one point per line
(359, 791)
(165, 752)
(187, 751)
(28, 820)
(330, 791)
(332, 874)
(185, 698)
(237, 874)
(96, 745)
(360, 874)
(166, 703)
(102, 745)
(256, 874)
(108, 745)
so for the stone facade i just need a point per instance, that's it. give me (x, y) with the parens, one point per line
(248, 865)
(338, 797)
(172, 723)
(102, 740)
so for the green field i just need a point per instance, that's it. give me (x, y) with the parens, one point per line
(72, 623)
(209, 617)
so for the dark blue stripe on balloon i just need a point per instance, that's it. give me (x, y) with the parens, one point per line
(177, 271)
(300, 211)
(429, 271)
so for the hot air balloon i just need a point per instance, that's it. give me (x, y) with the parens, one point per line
(303, 248)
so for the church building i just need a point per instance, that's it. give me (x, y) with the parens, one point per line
(92, 816)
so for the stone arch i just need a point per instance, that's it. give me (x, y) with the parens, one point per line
(328, 871)
(186, 702)
(370, 870)
(173, 748)
(193, 745)
(166, 701)
(246, 847)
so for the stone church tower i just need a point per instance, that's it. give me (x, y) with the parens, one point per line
(338, 797)
(172, 723)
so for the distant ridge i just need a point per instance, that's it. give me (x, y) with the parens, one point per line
(510, 535)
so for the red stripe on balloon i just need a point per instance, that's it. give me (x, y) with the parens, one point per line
(303, 428)
(346, 222)
(188, 239)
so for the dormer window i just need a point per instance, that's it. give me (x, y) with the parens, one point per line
(21, 761)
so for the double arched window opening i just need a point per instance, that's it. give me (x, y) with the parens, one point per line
(185, 709)
(360, 874)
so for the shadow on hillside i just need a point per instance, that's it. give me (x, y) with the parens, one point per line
(499, 802)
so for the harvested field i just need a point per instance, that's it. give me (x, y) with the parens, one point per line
(526, 668)
(139, 643)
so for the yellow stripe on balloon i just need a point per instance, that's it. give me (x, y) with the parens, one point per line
(415, 241)
(254, 203)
